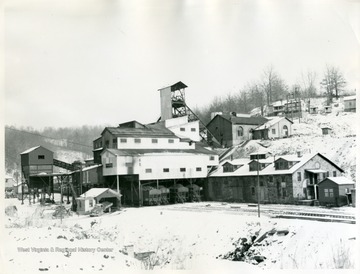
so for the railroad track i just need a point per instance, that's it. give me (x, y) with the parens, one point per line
(274, 213)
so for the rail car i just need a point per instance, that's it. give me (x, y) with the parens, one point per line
(151, 196)
(165, 195)
(194, 193)
(178, 194)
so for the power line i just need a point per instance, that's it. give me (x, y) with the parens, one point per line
(38, 134)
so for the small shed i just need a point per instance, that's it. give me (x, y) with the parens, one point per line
(333, 191)
(327, 109)
(326, 130)
(95, 196)
(313, 110)
(10, 183)
(350, 103)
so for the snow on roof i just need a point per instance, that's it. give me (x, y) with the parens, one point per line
(339, 180)
(272, 122)
(269, 170)
(94, 192)
(348, 98)
(29, 150)
(90, 167)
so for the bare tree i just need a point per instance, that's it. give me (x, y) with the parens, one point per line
(273, 86)
(307, 84)
(333, 82)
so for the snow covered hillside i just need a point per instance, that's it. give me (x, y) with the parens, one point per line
(339, 146)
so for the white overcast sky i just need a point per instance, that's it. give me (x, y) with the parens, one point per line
(76, 62)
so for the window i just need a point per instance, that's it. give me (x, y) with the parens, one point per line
(171, 141)
(193, 129)
(283, 184)
(327, 173)
(182, 129)
(198, 169)
(240, 131)
(253, 191)
(137, 141)
(261, 183)
(166, 170)
(182, 169)
(270, 178)
(212, 158)
(41, 157)
(334, 173)
(154, 141)
(148, 170)
(123, 140)
(299, 176)
(284, 193)
(115, 143)
(107, 143)
(108, 165)
(329, 192)
(273, 131)
(91, 203)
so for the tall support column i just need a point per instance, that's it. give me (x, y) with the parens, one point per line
(157, 183)
(140, 200)
(117, 184)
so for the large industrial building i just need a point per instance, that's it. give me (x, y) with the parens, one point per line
(172, 160)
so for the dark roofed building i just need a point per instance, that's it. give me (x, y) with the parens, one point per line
(232, 130)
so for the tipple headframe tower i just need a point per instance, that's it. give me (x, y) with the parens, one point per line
(173, 105)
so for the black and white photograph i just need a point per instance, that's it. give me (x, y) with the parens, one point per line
(191, 136)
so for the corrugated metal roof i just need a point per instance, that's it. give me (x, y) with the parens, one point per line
(140, 132)
(245, 120)
(29, 150)
(339, 180)
(176, 86)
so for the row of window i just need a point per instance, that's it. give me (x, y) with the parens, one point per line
(192, 129)
(166, 170)
(136, 141)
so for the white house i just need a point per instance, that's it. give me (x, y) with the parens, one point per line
(278, 127)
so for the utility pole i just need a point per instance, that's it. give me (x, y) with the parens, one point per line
(258, 185)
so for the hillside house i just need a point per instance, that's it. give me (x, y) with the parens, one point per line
(231, 130)
(278, 127)
(283, 179)
(350, 103)
(335, 191)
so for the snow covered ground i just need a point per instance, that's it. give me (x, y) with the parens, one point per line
(194, 239)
